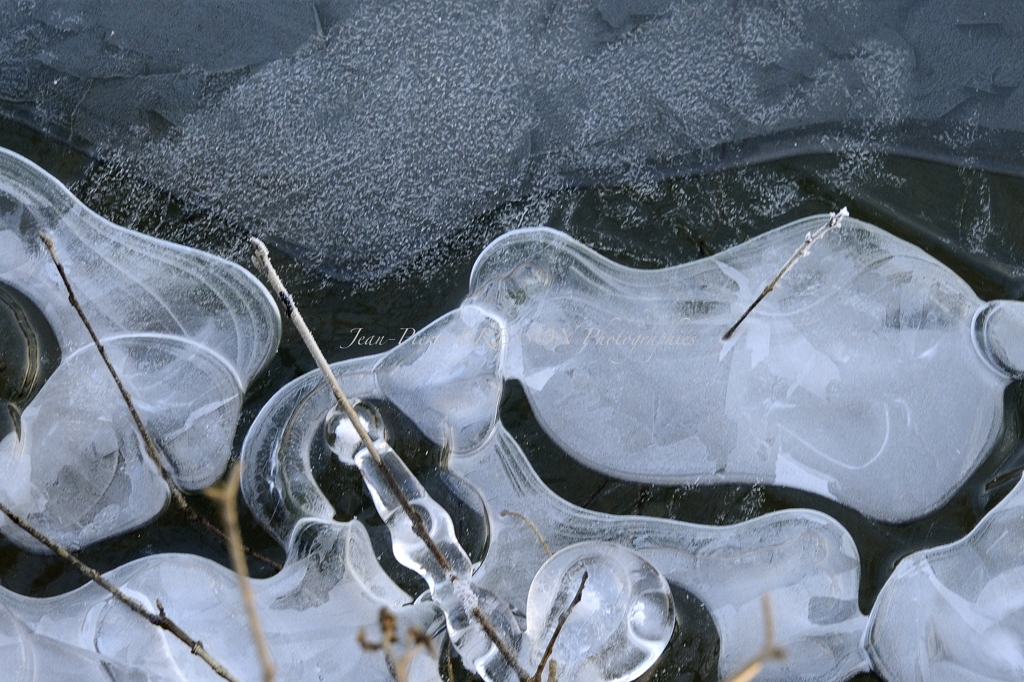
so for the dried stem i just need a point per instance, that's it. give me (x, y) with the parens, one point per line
(151, 449)
(834, 220)
(226, 495)
(769, 652)
(261, 259)
(418, 640)
(531, 524)
(159, 619)
(558, 630)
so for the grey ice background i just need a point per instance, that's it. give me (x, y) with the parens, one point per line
(364, 136)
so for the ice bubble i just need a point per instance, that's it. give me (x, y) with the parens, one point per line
(620, 626)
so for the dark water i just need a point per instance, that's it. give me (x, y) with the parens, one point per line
(969, 219)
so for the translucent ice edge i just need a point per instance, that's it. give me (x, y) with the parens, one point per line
(956, 612)
(330, 590)
(186, 331)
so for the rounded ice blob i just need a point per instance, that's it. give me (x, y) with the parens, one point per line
(999, 334)
(621, 624)
(341, 435)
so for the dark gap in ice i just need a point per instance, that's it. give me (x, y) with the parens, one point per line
(343, 487)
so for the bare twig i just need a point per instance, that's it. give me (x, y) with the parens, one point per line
(558, 630)
(834, 220)
(261, 259)
(226, 495)
(509, 512)
(151, 449)
(769, 652)
(158, 619)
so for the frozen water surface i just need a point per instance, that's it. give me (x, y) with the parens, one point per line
(804, 560)
(186, 331)
(334, 125)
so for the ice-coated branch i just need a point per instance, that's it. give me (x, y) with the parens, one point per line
(158, 619)
(226, 495)
(834, 220)
(151, 449)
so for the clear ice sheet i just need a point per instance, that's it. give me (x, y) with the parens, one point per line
(956, 612)
(312, 613)
(337, 125)
(805, 561)
(864, 365)
(186, 331)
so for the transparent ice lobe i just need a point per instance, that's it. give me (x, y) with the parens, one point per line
(186, 332)
(620, 626)
(804, 560)
(956, 612)
(445, 566)
(312, 612)
(448, 376)
(868, 361)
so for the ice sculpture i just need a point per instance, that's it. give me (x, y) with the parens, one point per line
(187, 332)
(956, 613)
(312, 612)
(621, 626)
(869, 361)
(804, 560)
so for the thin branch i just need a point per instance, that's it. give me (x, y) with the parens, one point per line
(499, 643)
(151, 449)
(558, 630)
(159, 619)
(769, 652)
(509, 512)
(834, 220)
(226, 495)
(261, 259)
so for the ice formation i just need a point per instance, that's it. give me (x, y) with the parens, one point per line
(855, 373)
(805, 561)
(312, 612)
(621, 625)
(618, 361)
(956, 613)
(852, 375)
(186, 331)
